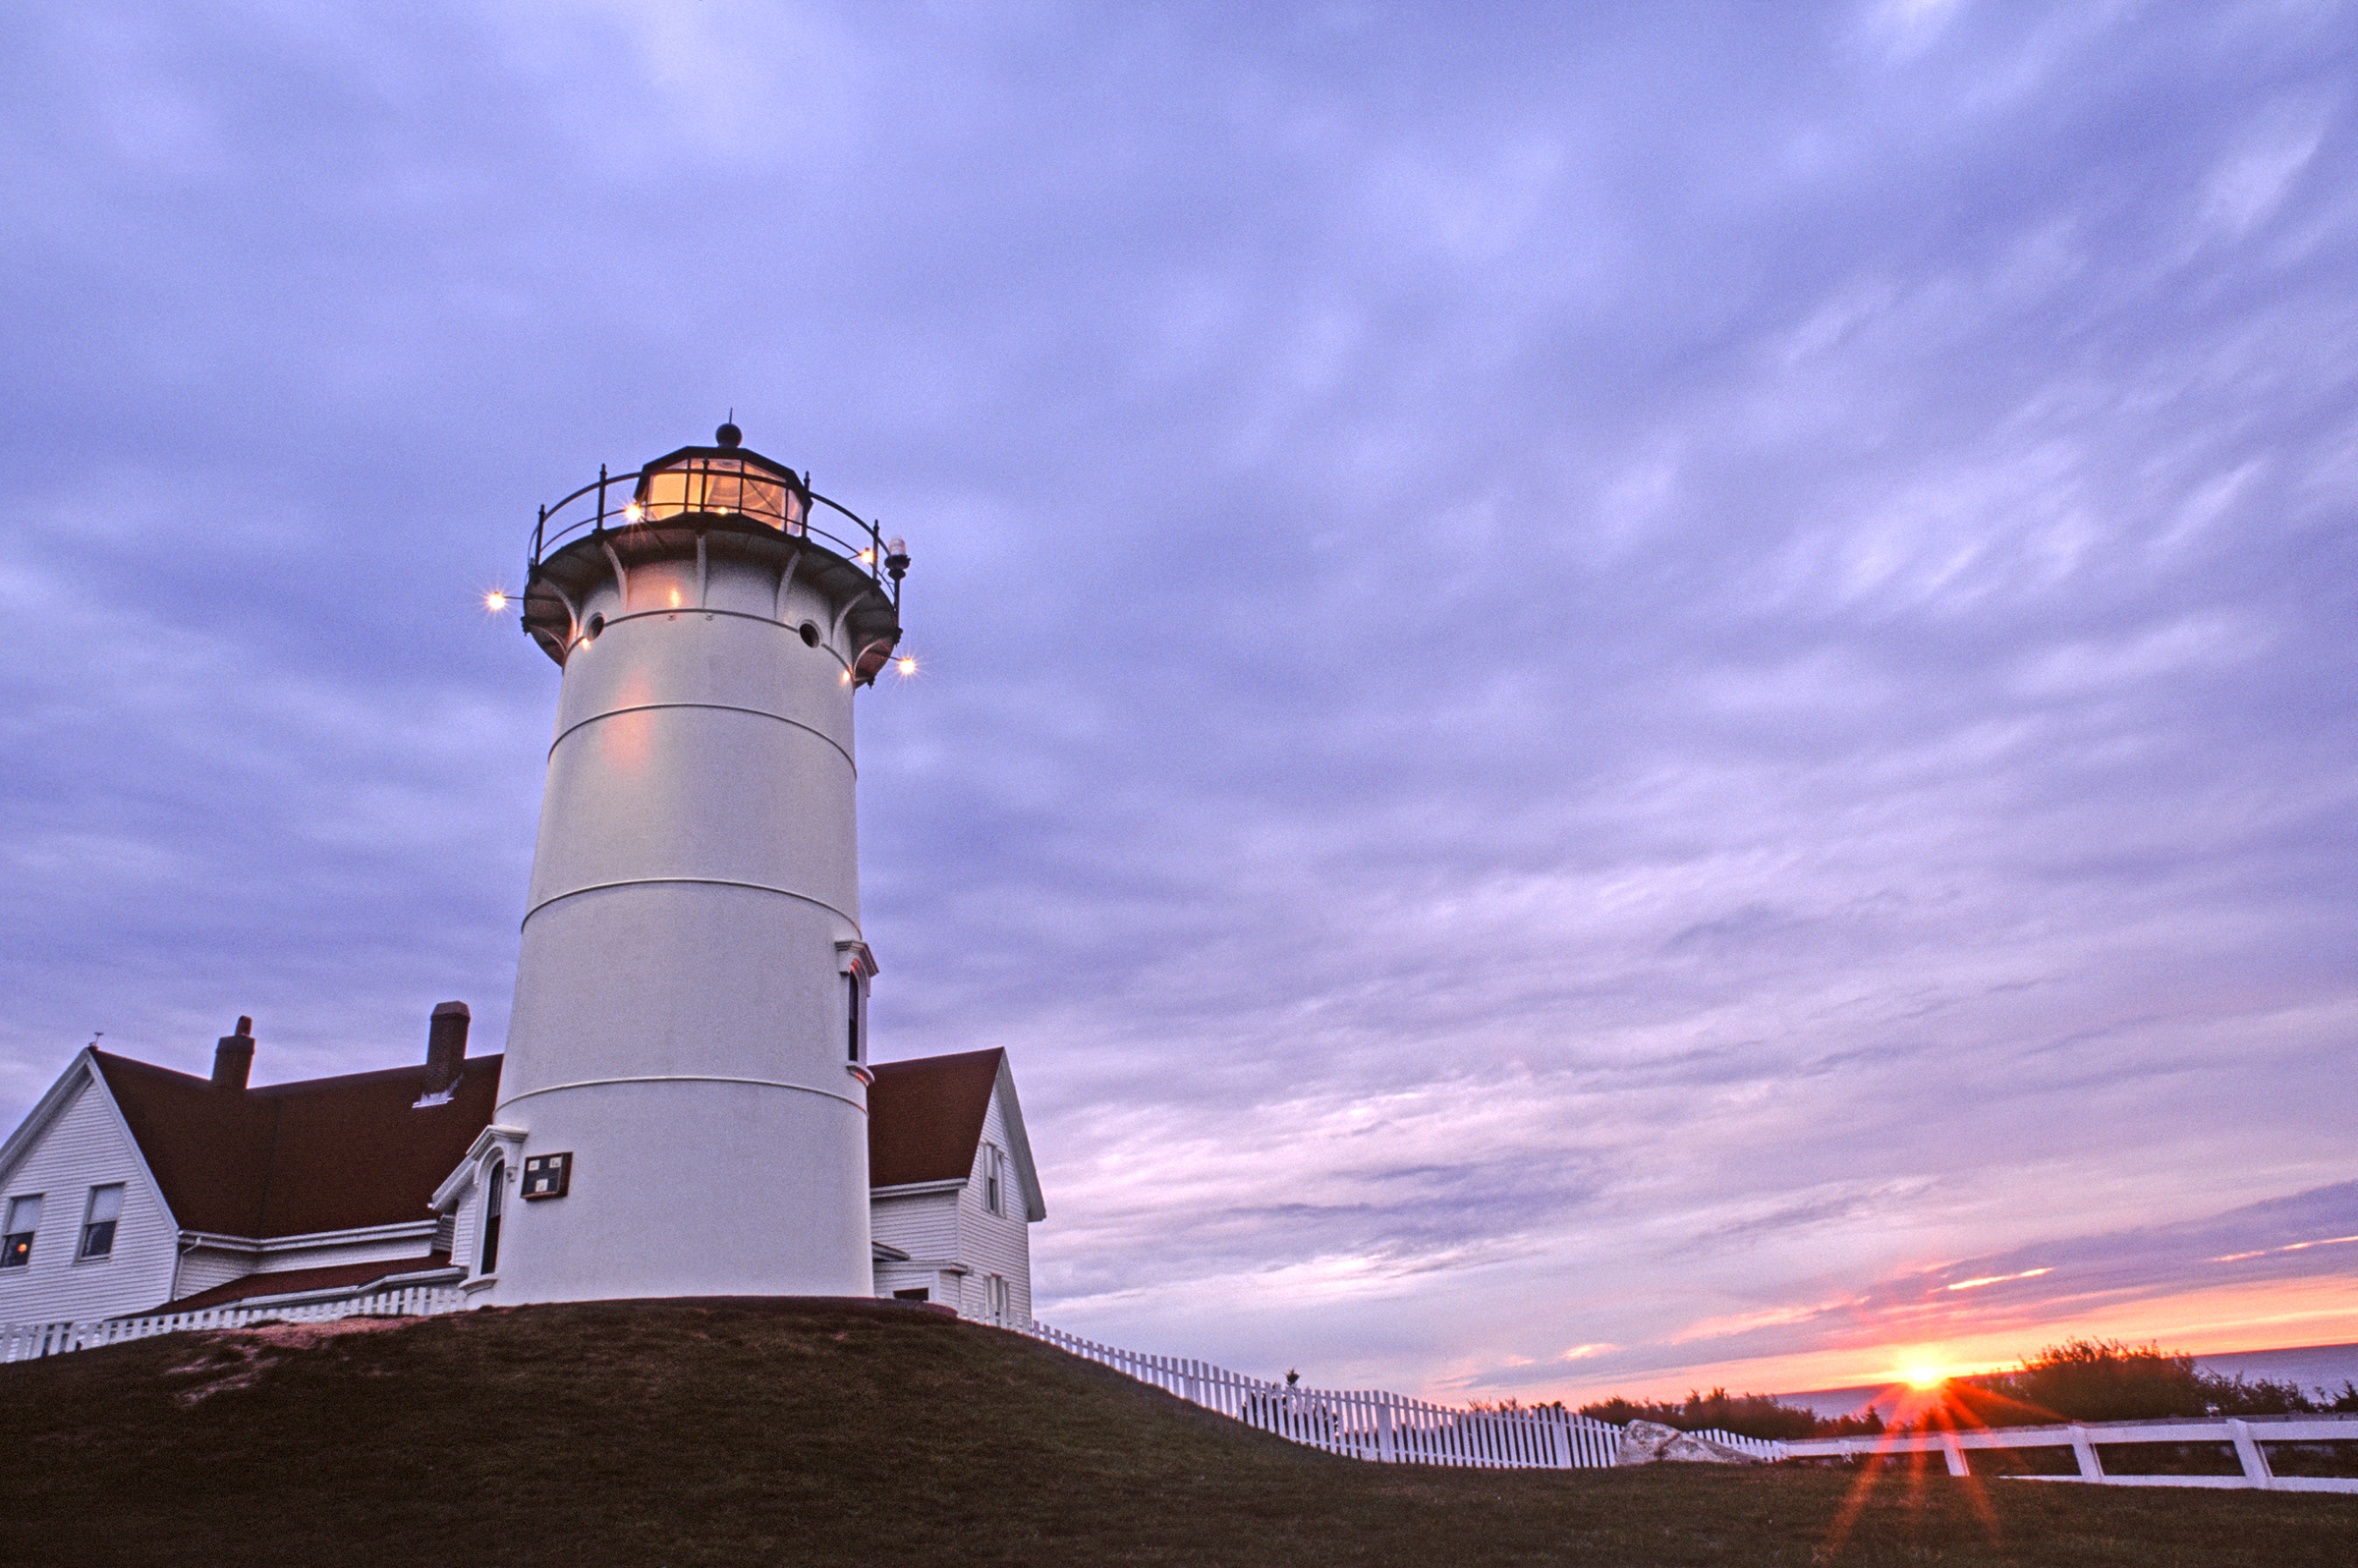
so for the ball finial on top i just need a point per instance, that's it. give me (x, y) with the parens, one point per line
(728, 435)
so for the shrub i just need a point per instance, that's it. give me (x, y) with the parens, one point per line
(1745, 1415)
(2104, 1380)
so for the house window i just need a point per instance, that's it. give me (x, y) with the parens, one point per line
(995, 1298)
(994, 1179)
(24, 1218)
(494, 1199)
(921, 1292)
(855, 1012)
(98, 1230)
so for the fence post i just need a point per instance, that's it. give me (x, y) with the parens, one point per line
(1955, 1454)
(2255, 1460)
(2090, 1467)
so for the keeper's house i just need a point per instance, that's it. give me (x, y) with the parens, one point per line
(133, 1189)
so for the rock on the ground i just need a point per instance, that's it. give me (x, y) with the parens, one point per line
(1641, 1442)
(1645, 1442)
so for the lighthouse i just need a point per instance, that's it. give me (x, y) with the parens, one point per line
(683, 1109)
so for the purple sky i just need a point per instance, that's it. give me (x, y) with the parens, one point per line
(1605, 696)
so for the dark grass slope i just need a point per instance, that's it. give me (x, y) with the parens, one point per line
(751, 1431)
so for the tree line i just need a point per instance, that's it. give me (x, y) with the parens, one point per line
(2080, 1379)
(2104, 1380)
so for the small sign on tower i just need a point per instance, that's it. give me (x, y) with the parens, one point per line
(547, 1175)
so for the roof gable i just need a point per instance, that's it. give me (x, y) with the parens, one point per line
(926, 1118)
(290, 1159)
(44, 1115)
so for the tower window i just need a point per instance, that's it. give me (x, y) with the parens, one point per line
(493, 1200)
(98, 1230)
(24, 1218)
(855, 1012)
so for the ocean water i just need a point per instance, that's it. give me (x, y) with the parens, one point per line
(2312, 1367)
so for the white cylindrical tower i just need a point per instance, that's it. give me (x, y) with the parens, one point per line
(683, 1110)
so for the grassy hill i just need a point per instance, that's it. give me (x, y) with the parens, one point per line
(778, 1432)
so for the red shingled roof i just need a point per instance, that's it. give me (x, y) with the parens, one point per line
(925, 1118)
(289, 1159)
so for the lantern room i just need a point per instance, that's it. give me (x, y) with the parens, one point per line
(715, 528)
(724, 480)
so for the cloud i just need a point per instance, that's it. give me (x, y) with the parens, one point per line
(1584, 675)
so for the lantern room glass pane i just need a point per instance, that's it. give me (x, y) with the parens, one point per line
(724, 485)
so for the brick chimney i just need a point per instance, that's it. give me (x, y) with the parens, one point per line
(445, 1051)
(233, 1058)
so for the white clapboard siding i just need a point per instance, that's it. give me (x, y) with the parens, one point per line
(203, 1267)
(940, 1284)
(995, 1244)
(83, 1146)
(925, 1225)
(407, 1245)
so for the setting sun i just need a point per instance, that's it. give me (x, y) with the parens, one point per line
(1923, 1377)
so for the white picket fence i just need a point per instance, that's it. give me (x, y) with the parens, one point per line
(1388, 1429)
(1384, 1428)
(26, 1341)
(2248, 1436)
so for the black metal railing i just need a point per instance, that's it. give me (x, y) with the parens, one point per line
(758, 495)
